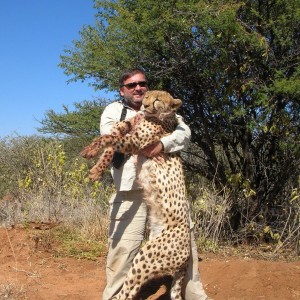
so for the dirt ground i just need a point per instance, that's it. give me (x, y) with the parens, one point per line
(28, 273)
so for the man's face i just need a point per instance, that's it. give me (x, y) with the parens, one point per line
(134, 89)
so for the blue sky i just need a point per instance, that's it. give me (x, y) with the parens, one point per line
(33, 35)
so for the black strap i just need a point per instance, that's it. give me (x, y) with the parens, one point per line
(119, 158)
(123, 113)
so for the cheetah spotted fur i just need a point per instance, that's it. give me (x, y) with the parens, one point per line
(168, 248)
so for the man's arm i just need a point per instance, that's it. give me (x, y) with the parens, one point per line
(178, 139)
(109, 118)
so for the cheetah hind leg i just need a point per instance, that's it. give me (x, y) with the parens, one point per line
(135, 279)
(102, 164)
(129, 292)
(177, 283)
(133, 282)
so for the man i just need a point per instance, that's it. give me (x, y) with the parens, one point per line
(128, 212)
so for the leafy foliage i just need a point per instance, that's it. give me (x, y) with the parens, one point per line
(84, 120)
(235, 65)
(42, 182)
(45, 183)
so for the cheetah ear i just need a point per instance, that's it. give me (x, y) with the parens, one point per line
(176, 103)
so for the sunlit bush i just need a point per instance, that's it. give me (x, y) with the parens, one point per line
(45, 186)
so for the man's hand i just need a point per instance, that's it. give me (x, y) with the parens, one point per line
(155, 151)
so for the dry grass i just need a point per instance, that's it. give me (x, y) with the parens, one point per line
(12, 291)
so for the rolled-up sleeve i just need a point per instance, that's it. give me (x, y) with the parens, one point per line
(109, 117)
(178, 139)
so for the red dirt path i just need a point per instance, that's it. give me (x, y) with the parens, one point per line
(27, 273)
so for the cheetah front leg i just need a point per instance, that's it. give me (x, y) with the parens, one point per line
(102, 164)
(119, 130)
(127, 144)
(97, 146)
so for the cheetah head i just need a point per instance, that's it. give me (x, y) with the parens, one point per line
(159, 104)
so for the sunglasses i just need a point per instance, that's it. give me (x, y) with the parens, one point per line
(133, 85)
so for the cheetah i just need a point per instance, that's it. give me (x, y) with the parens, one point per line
(156, 119)
(168, 249)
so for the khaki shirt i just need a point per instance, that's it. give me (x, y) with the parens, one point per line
(125, 178)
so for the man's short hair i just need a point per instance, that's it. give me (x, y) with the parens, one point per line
(129, 73)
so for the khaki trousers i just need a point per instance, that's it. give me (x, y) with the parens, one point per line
(128, 215)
